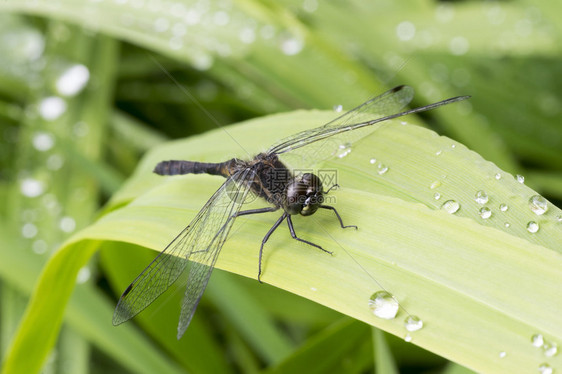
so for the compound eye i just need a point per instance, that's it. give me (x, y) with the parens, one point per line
(296, 196)
(312, 182)
(304, 195)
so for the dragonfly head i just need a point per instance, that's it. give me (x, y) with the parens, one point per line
(304, 194)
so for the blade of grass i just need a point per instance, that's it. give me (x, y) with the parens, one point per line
(88, 312)
(384, 362)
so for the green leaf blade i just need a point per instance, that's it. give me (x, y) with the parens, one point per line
(478, 287)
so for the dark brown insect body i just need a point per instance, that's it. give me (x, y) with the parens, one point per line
(273, 181)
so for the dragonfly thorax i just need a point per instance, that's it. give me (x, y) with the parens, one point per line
(303, 195)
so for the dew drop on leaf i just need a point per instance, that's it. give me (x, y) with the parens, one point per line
(532, 227)
(384, 305)
(413, 323)
(538, 205)
(451, 206)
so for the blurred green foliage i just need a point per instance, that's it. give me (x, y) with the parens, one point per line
(156, 70)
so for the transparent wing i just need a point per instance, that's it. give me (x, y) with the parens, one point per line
(388, 103)
(200, 242)
(336, 137)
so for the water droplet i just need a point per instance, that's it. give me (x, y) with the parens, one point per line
(524, 27)
(29, 215)
(437, 196)
(502, 354)
(51, 203)
(29, 230)
(179, 29)
(532, 227)
(438, 153)
(459, 45)
(313, 289)
(291, 46)
(373, 161)
(496, 15)
(192, 17)
(310, 5)
(83, 275)
(538, 205)
(161, 24)
(39, 246)
(405, 30)
(435, 184)
(520, 178)
(247, 35)
(481, 197)
(451, 206)
(73, 80)
(413, 323)
(267, 32)
(338, 108)
(383, 305)
(485, 213)
(550, 349)
(25, 44)
(202, 61)
(407, 338)
(176, 43)
(507, 224)
(559, 218)
(80, 129)
(31, 187)
(444, 12)
(382, 168)
(343, 150)
(67, 224)
(453, 146)
(221, 18)
(51, 108)
(503, 207)
(43, 141)
(498, 176)
(55, 162)
(545, 368)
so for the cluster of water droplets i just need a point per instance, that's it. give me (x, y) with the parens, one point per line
(42, 221)
(380, 167)
(384, 305)
(549, 349)
(201, 30)
(24, 47)
(343, 150)
(536, 203)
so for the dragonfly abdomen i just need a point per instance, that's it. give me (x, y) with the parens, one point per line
(178, 167)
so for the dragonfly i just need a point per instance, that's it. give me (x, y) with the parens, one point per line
(267, 177)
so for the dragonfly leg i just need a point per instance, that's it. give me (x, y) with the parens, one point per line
(292, 229)
(337, 215)
(256, 211)
(242, 213)
(265, 238)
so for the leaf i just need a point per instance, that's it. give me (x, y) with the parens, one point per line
(480, 287)
(88, 313)
(326, 351)
(385, 363)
